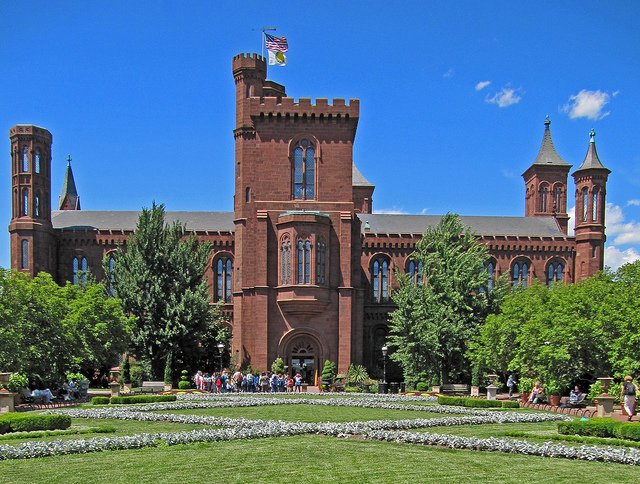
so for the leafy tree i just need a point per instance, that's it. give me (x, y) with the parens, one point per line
(160, 280)
(277, 366)
(433, 322)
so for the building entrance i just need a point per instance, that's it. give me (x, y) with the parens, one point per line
(302, 360)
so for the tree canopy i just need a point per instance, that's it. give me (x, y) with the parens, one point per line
(433, 322)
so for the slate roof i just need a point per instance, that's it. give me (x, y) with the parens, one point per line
(548, 154)
(358, 179)
(380, 223)
(591, 160)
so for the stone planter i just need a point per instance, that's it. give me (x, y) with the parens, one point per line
(115, 389)
(168, 387)
(7, 401)
(524, 397)
(435, 389)
(126, 387)
(604, 405)
(475, 391)
(492, 392)
(554, 400)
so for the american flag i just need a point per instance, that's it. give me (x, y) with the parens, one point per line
(278, 44)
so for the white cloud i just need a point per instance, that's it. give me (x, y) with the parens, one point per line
(572, 221)
(424, 211)
(482, 84)
(449, 74)
(634, 202)
(391, 211)
(614, 257)
(505, 97)
(625, 232)
(587, 104)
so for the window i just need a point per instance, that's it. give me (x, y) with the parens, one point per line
(415, 271)
(36, 162)
(520, 273)
(36, 205)
(555, 273)
(304, 262)
(24, 254)
(304, 170)
(25, 201)
(321, 262)
(80, 269)
(380, 280)
(491, 269)
(285, 261)
(585, 204)
(557, 196)
(25, 159)
(594, 206)
(111, 268)
(543, 199)
(224, 271)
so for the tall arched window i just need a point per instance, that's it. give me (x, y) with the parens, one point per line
(80, 269)
(543, 199)
(557, 198)
(25, 159)
(415, 271)
(224, 272)
(285, 261)
(585, 204)
(24, 254)
(304, 262)
(594, 206)
(36, 205)
(304, 170)
(36, 162)
(555, 273)
(321, 262)
(111, 267)
(25, 201)
(520, 273)
(380, 280)
(491, 269)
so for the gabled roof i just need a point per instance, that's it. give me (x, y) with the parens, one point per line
(548, 155)
(381, 223)
(591, 160)
(69, 192)
(358, 179)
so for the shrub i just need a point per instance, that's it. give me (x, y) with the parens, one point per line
(168, 371)
(137, 374)
(100, 401)
(628, 431)
(126, 370)
(277, 366)
(357, 374)
(21, 422)
(77, 377)
(18, 381)
(595, 427)
(184, 385)
(509, 404)
(352, 389)
(422, 386)
(142, 399)
(442, 400)
(595, 390)
(471, 402)
(328, 371)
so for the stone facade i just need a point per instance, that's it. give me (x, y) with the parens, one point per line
(304, 266)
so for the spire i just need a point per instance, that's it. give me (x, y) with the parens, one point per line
(548, 154)
(592, 161)
(69, 199)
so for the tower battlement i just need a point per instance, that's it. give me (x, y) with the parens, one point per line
(30, 129)
(249, 62)
(287, 106)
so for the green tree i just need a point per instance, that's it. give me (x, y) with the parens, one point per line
(433, 322)
(160, 280)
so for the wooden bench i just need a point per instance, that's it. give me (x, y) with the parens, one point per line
(152, 386)
(455, 389)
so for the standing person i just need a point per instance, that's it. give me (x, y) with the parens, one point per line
(297, 383)
(289, 383)
(249, 385)
(628, 391)
(511, 382)
(264, 382)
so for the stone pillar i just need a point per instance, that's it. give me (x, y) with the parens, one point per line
(492, 391)
(7, 402)
(115, 389)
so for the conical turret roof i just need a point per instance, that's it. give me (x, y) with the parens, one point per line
(592, 161)
(69, 199)
(548, 154)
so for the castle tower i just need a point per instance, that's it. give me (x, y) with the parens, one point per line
(591, 189)
(69, 199)
(31, 232)
(546, 183)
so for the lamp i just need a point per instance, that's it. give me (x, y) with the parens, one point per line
(384, 364)
(220, 348)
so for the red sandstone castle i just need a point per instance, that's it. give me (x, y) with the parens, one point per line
(302, 264)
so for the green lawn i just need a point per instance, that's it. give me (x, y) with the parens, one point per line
(308, 459)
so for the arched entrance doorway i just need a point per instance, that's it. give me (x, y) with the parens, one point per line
(302, 357)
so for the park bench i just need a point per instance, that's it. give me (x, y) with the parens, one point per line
(455, 389)
(152, 386)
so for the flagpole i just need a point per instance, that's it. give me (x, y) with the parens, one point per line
(263, 38)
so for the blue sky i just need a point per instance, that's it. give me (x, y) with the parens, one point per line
(453, 97)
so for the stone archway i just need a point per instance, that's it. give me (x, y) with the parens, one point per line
(303, 354)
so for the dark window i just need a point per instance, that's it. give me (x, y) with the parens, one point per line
(555, 273)
(303, 275)
(321, 262)
(491, 269)
(112, 268)
(24, 254)
(520, 273)
(543, 199)
(380, 280)
(304, 170)
(594, 207)
(415, 271)
(557, 197)
(80, 269)
(224, 271)
(285, 261)
(36, 206)
(25, 159)
(585, 204)
(25, 201)
(36, 162)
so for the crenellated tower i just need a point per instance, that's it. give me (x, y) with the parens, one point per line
(591, 189)
(31, 232)
(546, 183)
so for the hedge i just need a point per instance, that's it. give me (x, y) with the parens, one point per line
(595, 427)
(476, 402)
(21, 422)
(100, 401)
(142, 399)
(628, 431)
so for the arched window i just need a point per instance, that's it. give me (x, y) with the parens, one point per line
(36, 205)
(25, 201)
(36, 162)
(80, 269)
(380, 280)
(111, 267)
(585, 204)
(555, 273)
(224, 271)
(415, 271)
(543, 199)
(24, 254)
(25, 159)
(520, 273)
(594, 207)
(285, 261)
(304, 262)
(491, 269)
(304, 170)
(321, 262)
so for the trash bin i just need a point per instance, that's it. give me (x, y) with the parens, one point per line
(382, 387)
(394, 386)
(403, 387)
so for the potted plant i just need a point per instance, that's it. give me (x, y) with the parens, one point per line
(526, 385)
(184, 383)
(328, 375)
(553, 390)
(17, 383)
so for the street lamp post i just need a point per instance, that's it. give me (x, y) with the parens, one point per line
(220, 348)
(384, 364)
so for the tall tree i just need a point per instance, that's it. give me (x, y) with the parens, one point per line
(160, 280)
(434, 321)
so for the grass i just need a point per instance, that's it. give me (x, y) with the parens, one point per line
(308, 459)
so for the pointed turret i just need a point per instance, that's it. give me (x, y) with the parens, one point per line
(546, 183)
(591, 190)
(69, 199)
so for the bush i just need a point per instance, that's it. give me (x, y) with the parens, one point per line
(628, 431)
(352, 389)
(277, 366)
(459, 401)
(422, 386)
(100, 401)
(142, 399)
(328, 371)
(184, 385)
(21, 422)
(471, 402)
(509, 404)
(595, 427)
(18, 381)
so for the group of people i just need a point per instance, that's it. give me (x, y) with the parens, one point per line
(236, 382)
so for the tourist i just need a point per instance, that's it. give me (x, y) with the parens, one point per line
(289, 383)
(574, 395)
(264, 382)
(628, 391)
(256, 382)
(249, 382)
(297, 383)
(273, 382)
(536, 393)
(511, 382)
